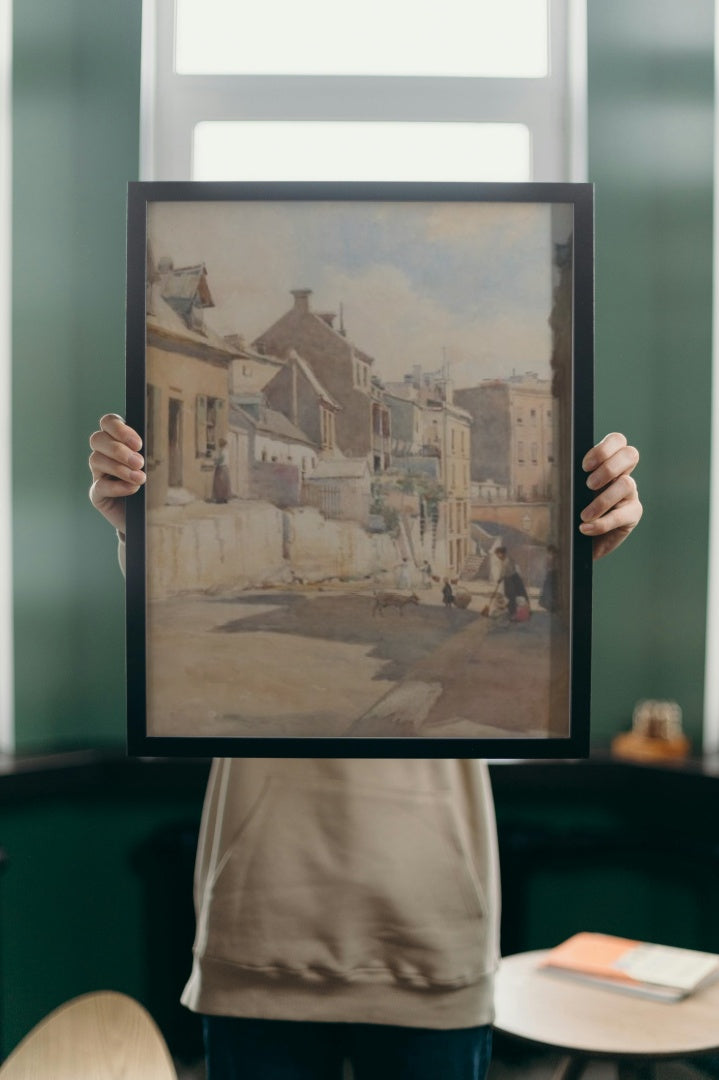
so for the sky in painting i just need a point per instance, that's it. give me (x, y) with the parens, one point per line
(463, 284)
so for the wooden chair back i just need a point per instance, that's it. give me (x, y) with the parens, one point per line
(99, 1036)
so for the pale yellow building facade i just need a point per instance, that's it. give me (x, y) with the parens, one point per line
(447, 431)
(533, 426)
(187, 409)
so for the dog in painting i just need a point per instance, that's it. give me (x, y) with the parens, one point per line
(384, 600)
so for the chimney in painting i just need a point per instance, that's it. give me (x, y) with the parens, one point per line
(302, 299)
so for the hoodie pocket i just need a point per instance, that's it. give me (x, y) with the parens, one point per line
(352, 882)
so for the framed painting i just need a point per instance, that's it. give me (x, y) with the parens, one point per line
(364, 409)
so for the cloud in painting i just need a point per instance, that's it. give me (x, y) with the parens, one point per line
(388, 318)
(467, 284)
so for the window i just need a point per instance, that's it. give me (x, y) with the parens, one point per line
(520, 452)
(533, 453)
(229, 93)
(359, 150)
(208, 34)
(207, 418)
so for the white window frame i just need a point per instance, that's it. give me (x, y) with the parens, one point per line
(7, 704)
(553, 108)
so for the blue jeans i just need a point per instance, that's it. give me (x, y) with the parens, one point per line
(239, 1049)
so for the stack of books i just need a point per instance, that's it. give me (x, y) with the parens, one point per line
(660, 972)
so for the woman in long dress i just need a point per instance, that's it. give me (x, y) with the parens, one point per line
(514, 588)
(221, 478)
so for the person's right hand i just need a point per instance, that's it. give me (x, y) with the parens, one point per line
(116, 467)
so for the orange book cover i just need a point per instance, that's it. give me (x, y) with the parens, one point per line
(662, 971)
(592, 954)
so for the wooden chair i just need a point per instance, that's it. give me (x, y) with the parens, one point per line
(99, 1036)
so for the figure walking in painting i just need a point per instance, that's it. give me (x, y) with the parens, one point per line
(426, 575)
(514, 587)
(548, 594)
(404, 577)
(447, 594)
(221, 478)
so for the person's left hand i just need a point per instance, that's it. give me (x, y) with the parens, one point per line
(616, 510)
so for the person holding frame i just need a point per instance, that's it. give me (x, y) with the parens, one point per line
(348, 909)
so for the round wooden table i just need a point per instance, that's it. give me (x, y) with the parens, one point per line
(586, 1022)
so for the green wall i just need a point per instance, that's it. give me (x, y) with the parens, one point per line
(75, 145)
(76, 899)
(650, 156)
(76, 89)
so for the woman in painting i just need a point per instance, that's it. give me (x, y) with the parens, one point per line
(512, 583)
(221, 477)
(549, 592)
(325, 932)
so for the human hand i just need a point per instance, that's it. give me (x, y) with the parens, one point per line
(616, 510)
(116, 467)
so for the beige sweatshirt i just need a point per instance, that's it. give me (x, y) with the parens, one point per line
(347, 890)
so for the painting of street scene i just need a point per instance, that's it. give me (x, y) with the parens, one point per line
(358, 448)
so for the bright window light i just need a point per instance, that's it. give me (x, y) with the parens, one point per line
(461, 38)
(279, 150)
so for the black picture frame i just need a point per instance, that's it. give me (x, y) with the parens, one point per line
(236, 607)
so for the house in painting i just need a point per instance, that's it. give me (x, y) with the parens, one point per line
(362, 422)
(341, 488)
(447, 430)
(250, 371)
(280, 455)
(296, 392)
(513, 436)
(187, 384)
(406, 424)
(432, 435)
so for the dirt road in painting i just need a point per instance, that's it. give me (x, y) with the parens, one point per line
(259, 663)
(489, 680)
